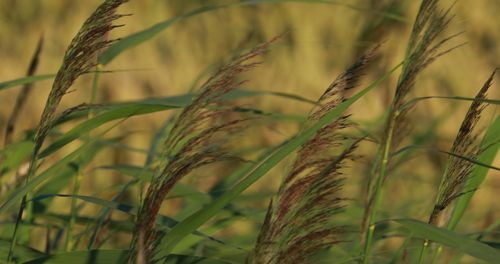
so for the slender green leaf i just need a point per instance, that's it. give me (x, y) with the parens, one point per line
(63, 177)
(491, 142)
(141, 173)
(178, 101)
(413, 101)
(21, 253)
(14, 154)
(17, 194)
(474, 161)
(25, 80)
(88, 125)
(113, 257)
(451, 239)
(257, 171)
(163, 222)
(85, 257)
(142, 36)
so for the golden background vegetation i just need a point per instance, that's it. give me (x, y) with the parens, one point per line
(318, 42)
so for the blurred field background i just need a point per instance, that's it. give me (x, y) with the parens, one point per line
(319, 41)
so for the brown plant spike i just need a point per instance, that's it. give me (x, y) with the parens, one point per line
(458, 170)
(79, 58)
(195, 140)
(298, 221)
(424, 47)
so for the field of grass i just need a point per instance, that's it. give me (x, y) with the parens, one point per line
(252, 131)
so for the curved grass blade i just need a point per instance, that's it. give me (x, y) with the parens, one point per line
(140, 173)
(142, 36)
(63, 177)
(477, 162)
(14, 154)
(164, 222)
(85, 127)
(113, 257)
(84, 257)
(25, 80)
(21, 253)
(413, 101)
(490, 144)
(449, 238)
(255, 172)
(62, 164)
(178, 101)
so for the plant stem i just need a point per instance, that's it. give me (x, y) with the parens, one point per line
(423, 252)
(377, 193)
(74, 212)
(24, 203)
(79, 175)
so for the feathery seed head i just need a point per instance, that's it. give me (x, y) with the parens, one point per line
(79, 58)
(298, 221)
(196, 139)
(458, 169)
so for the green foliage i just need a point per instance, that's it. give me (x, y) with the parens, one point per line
(44, 169)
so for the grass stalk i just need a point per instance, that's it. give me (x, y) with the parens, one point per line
(78, 177)
(77, 61)
(74, 211)
(377, 194)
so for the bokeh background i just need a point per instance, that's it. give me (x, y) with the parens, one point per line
(318, 42)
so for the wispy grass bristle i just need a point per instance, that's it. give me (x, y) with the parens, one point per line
(79, 58)
(196, 139)
(298, 221)
(424, 47)
(458, 170)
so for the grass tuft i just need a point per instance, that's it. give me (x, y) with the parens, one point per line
(196, 139)
(298, 222)
(458, 170)
(78, 59)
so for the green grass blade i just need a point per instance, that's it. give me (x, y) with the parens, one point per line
(142, 36)
(25, 80)
(85, 257)
(255, 172)
(413, 101)
(143, 174)
(181, 101)
(164, 222)
(492, 141)
(63, 177)
(451, 239)
(17, 194)
(14, 154)
(88, 125)
(21, 253)
(113, 257)
(477, 162)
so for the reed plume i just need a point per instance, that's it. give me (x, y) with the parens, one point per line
(423, 48)
(196, 139)
(298, 223)
(459, 170)
(79, 58)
